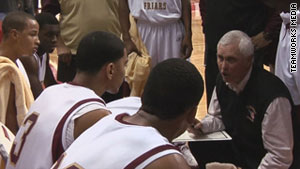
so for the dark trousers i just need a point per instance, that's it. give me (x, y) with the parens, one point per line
(212, 151)
(223, 152)
(211, 72)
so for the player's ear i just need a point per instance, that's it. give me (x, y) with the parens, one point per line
(13, 33)
(109, 69)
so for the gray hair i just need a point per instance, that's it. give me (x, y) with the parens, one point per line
(246, 46)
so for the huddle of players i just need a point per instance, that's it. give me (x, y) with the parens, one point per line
(62, 112)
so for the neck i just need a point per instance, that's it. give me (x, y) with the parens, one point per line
(143, 118)
(7, 50)
(91, 82)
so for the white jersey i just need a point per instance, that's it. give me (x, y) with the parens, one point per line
(42, 65)
(160, 27)
(6, 140)
(129, 105)
(43, 135)
(23, 70)
(283, 62)
(114, 144)
(155, 11)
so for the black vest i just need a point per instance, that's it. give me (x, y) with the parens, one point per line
(243, 114)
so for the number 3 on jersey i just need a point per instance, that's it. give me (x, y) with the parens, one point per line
(19, 142)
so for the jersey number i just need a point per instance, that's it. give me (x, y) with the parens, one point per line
(27, 125)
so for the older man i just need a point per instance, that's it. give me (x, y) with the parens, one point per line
(252, 105)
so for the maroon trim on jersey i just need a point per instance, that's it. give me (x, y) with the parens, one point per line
(57, 148)
(5, 133)
(120, 117)
(148, 154)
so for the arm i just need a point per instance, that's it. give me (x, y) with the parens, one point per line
(213, 120)
(174, 161)
(11, 112)
(49, 78)
(271, 31)
(63, 52)
(186, 45)
(32, 71)
(125, 26)
(277, 135)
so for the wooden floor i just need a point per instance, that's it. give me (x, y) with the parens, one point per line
(197, 57)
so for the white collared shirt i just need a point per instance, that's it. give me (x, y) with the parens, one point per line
(239, 87)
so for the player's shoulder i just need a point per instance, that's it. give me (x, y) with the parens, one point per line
(173, 160)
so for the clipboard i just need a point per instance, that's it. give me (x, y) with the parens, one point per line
(215, 136)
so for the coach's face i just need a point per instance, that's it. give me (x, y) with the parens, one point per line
(233, 66)
(118, 73)
(28, 40)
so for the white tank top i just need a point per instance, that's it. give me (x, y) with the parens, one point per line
(40, 138)
(114, 144)
(129, 105)
(23, 70)
(42, 66)
(155, 11)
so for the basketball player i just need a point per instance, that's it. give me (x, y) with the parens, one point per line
(141, 140)
(62, 112)
(37, 66)
(20, 37)
(164, 27)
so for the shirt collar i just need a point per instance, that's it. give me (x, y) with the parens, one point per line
(240, 86)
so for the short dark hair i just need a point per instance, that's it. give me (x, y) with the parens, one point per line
(96, 49)
(45, 18)
(15, 20)
(173, 86)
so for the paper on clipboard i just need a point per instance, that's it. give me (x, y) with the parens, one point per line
(216, 136)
